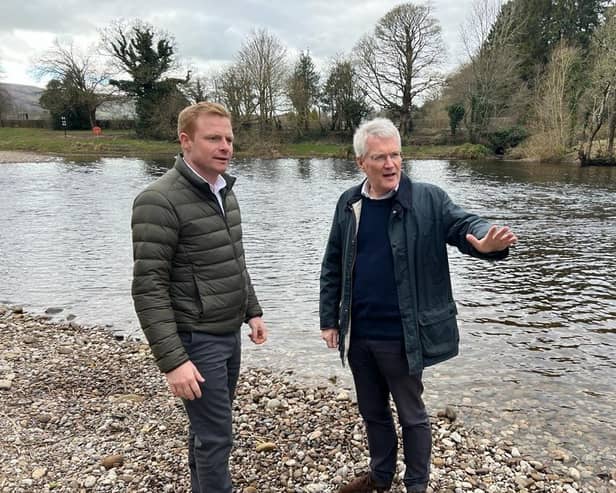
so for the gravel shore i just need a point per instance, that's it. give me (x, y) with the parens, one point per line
(81, 410)
(23, 157)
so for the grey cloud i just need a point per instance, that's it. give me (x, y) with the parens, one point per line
(209, 30)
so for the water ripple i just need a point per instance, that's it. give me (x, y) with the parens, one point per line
(540, 325)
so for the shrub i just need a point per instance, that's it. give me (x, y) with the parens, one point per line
(543, 147)
(471, 151)
(501, 140)
(456, 113)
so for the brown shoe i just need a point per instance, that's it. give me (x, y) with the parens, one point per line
(362, 484)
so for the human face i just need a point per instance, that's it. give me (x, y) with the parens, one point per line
(382, 163)
(211, 147)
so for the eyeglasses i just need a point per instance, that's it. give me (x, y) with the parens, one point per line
(382, 158)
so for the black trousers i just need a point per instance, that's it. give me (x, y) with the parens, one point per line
(217, 357)
(379, 370)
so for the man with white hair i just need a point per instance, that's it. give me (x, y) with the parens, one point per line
(386, 300)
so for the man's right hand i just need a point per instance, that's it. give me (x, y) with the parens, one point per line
(330, 336)
(184, 381)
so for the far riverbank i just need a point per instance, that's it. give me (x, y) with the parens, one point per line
(23, 157)
(116, 143)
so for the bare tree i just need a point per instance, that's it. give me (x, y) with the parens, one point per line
(601, 94)
(489, 35)
(263, 58)
(5, 104)
(234, 88)
(401, 59)
(556, 94)
(606, 38)
(198, 89)
(81, 75)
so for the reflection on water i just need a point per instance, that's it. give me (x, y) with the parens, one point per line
(541, 325)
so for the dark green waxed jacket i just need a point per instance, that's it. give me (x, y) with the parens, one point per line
(189, 269)
(422, 222)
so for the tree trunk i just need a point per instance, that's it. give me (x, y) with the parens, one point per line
(611, 132)
(406, 124)
(92, 115)
(590, 142)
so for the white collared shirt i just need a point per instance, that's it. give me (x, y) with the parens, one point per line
(365, 191)
(215, 188)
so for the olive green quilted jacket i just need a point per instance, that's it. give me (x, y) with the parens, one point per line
(189, 270)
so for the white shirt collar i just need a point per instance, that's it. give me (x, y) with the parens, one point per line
(216, 187)
(365, 191)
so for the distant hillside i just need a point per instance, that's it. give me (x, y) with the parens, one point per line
(24, 100)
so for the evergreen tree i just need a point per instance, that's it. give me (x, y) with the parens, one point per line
(343, 97)
(303, 89)
(147, 56)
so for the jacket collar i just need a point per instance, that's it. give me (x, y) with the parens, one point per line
(403, 197)
(355, 193)
(187, 173)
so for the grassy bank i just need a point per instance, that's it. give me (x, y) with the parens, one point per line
(81, 142)
(113, 143)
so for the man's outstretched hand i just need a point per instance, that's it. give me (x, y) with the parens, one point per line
(497, 239)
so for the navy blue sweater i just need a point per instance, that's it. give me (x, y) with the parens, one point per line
(375, 313)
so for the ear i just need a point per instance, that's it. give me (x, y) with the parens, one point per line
(359, 160)
(185, 141)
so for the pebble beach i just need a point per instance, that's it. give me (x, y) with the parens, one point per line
(82, 410)
(23, 157)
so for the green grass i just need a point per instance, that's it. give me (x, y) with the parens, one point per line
(124, 143)
(471, 151)
(82, 142)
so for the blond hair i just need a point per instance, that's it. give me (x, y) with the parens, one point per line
(188, 116)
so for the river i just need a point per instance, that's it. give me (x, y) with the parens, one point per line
(538, 331)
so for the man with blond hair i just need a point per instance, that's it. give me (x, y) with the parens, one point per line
(191, 289)
(386, 299)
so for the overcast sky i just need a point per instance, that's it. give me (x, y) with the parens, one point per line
(207, 33)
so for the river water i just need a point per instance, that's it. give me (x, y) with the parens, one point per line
(538, 331)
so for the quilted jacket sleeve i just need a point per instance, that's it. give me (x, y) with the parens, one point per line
(253, 308)
(155, 231)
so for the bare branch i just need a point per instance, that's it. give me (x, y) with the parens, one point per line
(401, 59)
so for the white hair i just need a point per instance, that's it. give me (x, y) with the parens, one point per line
(377, 127)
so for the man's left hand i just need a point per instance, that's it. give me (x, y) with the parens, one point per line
(496, 239)
(258, 330)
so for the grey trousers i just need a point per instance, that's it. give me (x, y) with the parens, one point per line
(379, 369)
(217, 357)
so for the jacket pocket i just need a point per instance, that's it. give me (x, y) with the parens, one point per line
(200, 295)
(438, 330)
